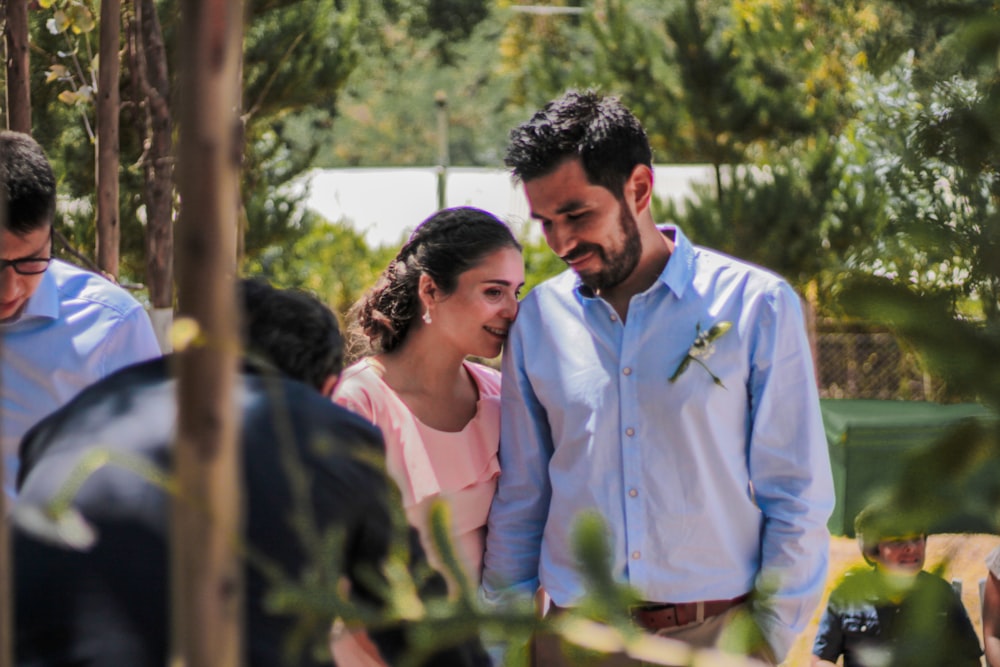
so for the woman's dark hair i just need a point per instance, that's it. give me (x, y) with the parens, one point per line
(443, 246)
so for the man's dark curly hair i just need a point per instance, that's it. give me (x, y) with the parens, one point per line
(291, 330)
(28, 184)
(598, 129)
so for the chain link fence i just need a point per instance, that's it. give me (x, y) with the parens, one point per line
(856, 362)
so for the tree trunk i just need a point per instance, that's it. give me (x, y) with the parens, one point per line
(6, 560)
(108, 106)
(18, 60)
(18, 119)
(151, 92)
(207, 589)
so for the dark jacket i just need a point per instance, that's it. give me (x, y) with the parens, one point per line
(871, 624)
(108, 606)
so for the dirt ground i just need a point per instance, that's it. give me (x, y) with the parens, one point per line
(962, 554)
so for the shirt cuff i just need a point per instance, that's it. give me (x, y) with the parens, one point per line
(779, 636)
(504, 597)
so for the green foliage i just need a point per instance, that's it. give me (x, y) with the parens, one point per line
(449, 23)
(930, 131)
(73, 23)
(387, 114)
(297, 58)
(804, 214)
(331, 260)
(542, 53)
(540, 263)
(711, 79)
(634, 62)
(298, 55)
(954, 348)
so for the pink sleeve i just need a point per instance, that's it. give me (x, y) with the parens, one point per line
(357, 402)
(352, 393)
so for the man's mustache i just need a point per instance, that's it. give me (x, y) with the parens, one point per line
(580, 251)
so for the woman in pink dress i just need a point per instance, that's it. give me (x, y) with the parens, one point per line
(451, 293)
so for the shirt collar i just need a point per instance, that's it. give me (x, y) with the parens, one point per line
(676, 275)
(679, 271)
(44, 303)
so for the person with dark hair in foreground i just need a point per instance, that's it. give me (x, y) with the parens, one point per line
(309, 467)
(293, 331)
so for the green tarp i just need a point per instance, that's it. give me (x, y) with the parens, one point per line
(867, 440)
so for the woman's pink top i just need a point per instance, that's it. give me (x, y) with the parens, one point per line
(461, 468)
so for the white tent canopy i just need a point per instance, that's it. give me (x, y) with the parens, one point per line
(387, 203)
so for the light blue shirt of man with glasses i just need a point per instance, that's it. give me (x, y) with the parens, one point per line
(61, 328)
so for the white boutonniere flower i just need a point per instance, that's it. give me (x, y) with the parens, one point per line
(702, 349)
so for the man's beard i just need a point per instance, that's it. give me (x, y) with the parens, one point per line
(616, 266)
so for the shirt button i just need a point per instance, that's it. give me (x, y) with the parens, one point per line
(627, 371)
(632, 493)
(630, 431)
(636, 555)
(614, 318)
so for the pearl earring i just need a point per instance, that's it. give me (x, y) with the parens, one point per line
(427, 316)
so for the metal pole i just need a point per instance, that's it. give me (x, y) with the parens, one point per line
(441, 103)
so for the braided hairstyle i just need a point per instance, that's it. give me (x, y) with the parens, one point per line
(445, 245)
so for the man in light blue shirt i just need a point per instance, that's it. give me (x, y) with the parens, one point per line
(61, 328)
(667, 388)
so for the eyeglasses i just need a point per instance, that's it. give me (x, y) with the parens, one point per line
(29, 266)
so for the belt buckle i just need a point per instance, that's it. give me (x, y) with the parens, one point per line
(654, 617)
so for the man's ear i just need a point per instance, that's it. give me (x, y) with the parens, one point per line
(329, 385)
(639, 189)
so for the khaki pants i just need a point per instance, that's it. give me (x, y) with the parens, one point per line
(549, 650)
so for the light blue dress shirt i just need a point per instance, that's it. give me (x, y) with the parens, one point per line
(74, 330)
(706, 490)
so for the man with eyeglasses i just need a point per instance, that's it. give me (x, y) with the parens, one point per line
(61, 327)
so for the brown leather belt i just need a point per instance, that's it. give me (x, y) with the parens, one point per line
(654, 617)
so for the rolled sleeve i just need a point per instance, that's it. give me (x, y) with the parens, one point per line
(829, 643)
